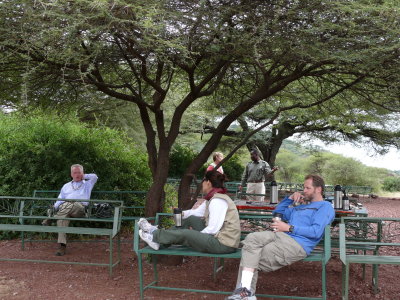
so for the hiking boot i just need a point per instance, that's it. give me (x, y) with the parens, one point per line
(61, 250)
(146, 226)
(148, 238)
(241, 293)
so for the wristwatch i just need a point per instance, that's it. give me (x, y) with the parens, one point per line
(291, 228)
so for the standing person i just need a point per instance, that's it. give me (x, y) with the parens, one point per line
(289, 242)
(217, 232)
(79, 188)
(254, 175)
(217, 157)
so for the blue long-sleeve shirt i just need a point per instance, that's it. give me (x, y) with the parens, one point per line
(309, 221)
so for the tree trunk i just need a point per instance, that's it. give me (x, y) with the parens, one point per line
(156, 195)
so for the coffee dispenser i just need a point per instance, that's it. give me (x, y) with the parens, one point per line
(337, 197)
(178, 217)
(345, 201)
(274, 193)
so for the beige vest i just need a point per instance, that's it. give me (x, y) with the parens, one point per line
(229, 234)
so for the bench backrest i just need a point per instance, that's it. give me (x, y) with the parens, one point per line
(368, 233)
(134, 201)
(33, 210)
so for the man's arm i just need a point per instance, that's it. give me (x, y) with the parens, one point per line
(217, 208)
(245, 175)
(60, 196)
(91, 179)
(322, 217)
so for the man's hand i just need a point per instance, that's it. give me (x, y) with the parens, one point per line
(297, 197)
(198, 203)
(240, 188)
(280, 226)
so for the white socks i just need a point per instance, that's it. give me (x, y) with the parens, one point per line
(247, 277)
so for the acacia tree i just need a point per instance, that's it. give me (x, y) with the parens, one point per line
(174, 53)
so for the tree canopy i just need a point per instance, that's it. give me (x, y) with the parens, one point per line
(176, 53)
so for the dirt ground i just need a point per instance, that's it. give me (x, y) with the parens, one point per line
(23, 280)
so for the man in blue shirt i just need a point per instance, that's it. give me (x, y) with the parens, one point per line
(306, 216)
(79, 188)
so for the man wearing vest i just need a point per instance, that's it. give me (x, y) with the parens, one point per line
(217, 232)
(254, 175)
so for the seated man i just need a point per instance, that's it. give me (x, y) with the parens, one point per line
(79, 188)
(217, 232)
(289, 242)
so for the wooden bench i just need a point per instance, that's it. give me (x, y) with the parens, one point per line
(25, 214)
(319, 255)
(384, 233)
(134, 201)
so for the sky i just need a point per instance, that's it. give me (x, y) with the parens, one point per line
(389, 161)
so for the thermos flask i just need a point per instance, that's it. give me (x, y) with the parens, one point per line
(274, 193)
(345, 201)
(178, 217)
(337, 197)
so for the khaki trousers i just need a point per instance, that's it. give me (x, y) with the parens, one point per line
(68, 210)
(268, 251)
(255, 188)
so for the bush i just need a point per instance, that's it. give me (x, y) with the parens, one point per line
(179, 159)
(391, 184)
(36, 152)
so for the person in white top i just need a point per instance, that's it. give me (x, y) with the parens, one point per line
(80, 187)
(217, 232)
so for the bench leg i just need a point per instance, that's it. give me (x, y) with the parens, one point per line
(345, 281)
(22, 240)
(323, 278)
(154, 258)
(218, 266)
(119, 248)
(111, 256)
(140, 268)
(375, 279)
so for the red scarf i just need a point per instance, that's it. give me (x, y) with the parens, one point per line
(213, 191)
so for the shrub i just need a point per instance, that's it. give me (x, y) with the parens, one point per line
(391, 184)
(36, 152)
(179, 159)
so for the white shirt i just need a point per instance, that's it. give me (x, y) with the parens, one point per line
(217, 212)
(198, 212)
(77, 190)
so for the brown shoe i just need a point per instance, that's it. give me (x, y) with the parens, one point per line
(46, 222)
(61, 250)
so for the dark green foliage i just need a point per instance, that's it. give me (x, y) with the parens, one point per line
(36, 152)
(179, 159)
(233, 168)
(391, 184)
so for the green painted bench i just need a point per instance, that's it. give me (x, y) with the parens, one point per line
(370, 236)
(134, 201)
(25, 214)
(321, 255)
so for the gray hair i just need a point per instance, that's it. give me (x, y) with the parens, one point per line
(77, 166)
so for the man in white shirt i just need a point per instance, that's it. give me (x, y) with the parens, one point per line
(80, 187)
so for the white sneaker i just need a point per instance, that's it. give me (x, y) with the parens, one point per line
(241, 294)
(146, 226)
(148, 238)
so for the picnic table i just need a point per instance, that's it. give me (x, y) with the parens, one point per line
(262, 207)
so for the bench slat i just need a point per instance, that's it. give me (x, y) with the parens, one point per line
(40, 228)
(373, 259)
